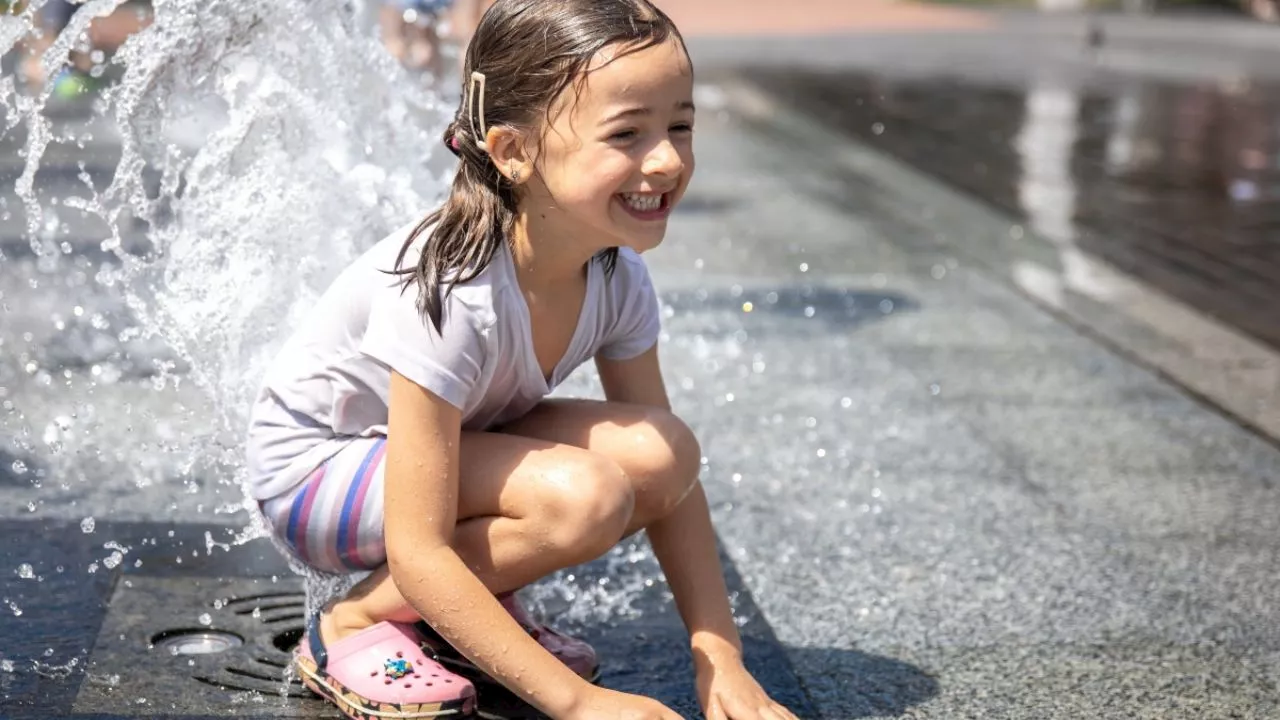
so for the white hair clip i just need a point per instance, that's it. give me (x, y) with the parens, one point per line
(477, 78)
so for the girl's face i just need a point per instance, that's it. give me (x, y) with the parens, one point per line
(618, 155)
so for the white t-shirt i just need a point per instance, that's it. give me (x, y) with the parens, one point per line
(331, 380)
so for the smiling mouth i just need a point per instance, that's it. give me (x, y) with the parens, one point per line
(646, 206)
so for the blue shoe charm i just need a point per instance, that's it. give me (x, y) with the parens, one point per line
(397, 669)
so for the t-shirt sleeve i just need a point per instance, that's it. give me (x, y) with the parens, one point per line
(448, 363)
(638, 314)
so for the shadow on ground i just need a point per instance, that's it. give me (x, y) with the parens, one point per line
(863, 685)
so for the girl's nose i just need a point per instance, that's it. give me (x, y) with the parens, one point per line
(664, 160)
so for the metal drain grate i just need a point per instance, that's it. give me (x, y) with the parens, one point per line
(275, 621)
(145, 665)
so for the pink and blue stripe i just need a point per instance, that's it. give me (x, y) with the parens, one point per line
(333, 518)
(349, 521)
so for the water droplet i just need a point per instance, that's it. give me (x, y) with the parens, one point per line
(87, 525)
(112, 560)
(804, 267)
(6, 666)
(25, 571)
(846, 402)
(877, 128)
(113, 545)
(205, 619)
(19, 467)
(108, 680)
(935, 388)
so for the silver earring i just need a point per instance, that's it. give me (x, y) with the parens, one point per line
(515, 175)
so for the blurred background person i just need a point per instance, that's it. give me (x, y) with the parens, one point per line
(412, 31)
(415, 32)
(73, 79)
(466, 16)
(76, 74)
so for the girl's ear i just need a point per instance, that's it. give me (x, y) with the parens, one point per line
(509, 151)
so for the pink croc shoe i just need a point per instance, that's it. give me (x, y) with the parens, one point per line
(579, 656)
(381, 673)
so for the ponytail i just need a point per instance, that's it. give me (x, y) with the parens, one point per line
(463, 235)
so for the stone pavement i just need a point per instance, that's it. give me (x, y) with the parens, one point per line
(936, 497)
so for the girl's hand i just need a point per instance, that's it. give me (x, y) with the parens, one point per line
(604, 704)
(728, 692)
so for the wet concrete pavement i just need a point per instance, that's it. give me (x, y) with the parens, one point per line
(943, 489)
(1140, 172)
(1177, 185)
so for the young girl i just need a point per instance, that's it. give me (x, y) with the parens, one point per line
(404, 429)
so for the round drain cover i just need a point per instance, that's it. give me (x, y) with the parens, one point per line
(196, 642)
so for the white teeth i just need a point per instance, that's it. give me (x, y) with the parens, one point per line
(643, 203)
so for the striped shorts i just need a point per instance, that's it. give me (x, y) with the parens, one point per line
(332, 520)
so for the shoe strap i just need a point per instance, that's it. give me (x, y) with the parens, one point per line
(318, 651)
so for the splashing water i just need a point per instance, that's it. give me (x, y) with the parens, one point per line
(244, 154)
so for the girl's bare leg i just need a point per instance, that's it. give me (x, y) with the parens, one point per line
(557, 488)
(653, 448)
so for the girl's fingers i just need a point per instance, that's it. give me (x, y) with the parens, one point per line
(715, 711)
(770, 712)
(784, 712)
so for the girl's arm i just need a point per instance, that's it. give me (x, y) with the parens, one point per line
(685, 545)
(423, 436)
(684, 542)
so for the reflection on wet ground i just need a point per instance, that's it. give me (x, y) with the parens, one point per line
(1177, 185)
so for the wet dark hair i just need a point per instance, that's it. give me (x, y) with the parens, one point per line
(530, 52)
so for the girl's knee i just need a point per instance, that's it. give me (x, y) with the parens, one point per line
(662, 456)
(588, 503)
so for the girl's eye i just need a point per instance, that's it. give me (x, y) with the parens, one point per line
(622, 135)
(682, 128)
